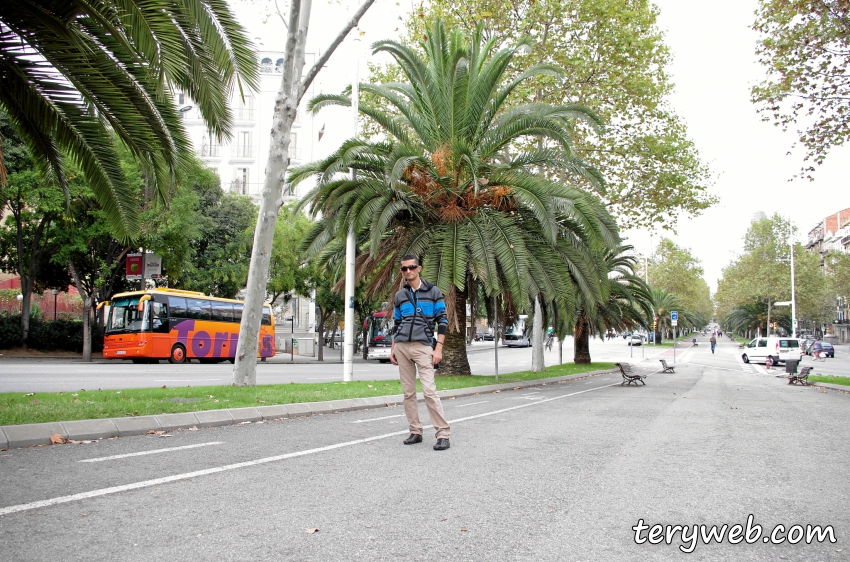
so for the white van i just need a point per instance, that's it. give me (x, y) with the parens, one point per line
(778, 349)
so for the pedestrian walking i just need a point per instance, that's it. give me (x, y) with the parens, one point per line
(417, 307)
(713, 342)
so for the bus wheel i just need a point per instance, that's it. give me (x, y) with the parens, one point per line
(178, 354)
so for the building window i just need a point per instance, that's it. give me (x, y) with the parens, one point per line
(181, 98)
(240, 181)
(278, 66)
(245, 111)
(243, 145)
(266, 66)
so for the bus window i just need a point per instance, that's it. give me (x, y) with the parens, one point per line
(237, 312)
(267, 316)
(199, 309)
(124, 316)
(178, 307)
(159, 316)
(222, 311)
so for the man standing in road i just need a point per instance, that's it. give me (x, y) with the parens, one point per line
(416, 308)
(713, 342)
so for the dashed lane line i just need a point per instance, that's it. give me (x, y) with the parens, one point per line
(152, 452)
(378, 419)
(248, 464)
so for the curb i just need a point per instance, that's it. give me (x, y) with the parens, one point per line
(829, 385)
(27, 435)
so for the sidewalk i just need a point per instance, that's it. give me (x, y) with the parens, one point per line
(16, 436)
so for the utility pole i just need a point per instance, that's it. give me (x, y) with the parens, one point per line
(793, 295)
(350, 242)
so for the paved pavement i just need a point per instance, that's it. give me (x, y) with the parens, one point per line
(561, 472)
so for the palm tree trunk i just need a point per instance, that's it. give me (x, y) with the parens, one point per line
(454, 360)
(582, 340)
(657, 336)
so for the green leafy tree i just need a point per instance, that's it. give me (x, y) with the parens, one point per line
(614, 62)
(74, 72)
(676, 270)
(30, 208)
(287, 259)
(449, 185)
(805, 49)
(221, 252)
(663, 302)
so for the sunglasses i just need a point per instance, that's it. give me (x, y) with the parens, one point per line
(408, 267)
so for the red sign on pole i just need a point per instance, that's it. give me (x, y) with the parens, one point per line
(135, 266)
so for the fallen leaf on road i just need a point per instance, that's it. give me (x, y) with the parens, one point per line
(463, 531)
(37, 401)
(243, 423)
(155, 432)
(311, 531)
(444, 519)
(193, 428)
(496, 391)
(166, 435)
(57, 439)
(163, 386)
(517, 388)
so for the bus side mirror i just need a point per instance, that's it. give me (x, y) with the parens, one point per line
(142, 301)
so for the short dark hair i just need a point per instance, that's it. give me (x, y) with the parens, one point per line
(408, 257)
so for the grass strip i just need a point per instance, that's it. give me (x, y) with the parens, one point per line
(20, 408)
(844, 381)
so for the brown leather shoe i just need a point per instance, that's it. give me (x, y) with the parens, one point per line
(414, 438)
(442, 445)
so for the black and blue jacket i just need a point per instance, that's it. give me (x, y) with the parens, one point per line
(416, 312)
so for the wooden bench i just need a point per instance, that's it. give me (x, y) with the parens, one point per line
(667, 368)
(802, 377)
(628, 376)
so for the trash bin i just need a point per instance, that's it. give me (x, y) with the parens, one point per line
(791, 366)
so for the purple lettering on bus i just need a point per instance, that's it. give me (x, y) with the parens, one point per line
(183, 328)
(267, 349)
(234, 339)
(201, 344)
(220, 340)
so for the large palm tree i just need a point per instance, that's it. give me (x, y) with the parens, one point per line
(625, 303)
(73, 71)
(450, 184)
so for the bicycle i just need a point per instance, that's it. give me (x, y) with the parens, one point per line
(550, 339)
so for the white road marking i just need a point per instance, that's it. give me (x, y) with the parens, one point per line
(471, 404)
(377, 419)
(185, 380)
(759, 369)
(247, 464)
(153, 452)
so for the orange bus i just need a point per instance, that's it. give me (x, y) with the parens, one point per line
(146, 326)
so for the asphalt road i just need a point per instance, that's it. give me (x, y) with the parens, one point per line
(54, 375)
(561, 472)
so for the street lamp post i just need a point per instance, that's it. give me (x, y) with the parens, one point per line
(55, 293)
(20, 299)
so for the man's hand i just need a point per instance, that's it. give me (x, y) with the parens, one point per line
(437, 356)
(392, 357)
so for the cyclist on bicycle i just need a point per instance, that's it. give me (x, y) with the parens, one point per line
(817, 349)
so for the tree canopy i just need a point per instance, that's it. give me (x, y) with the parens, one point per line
(613, 61)
(805, 49)
(71, 72)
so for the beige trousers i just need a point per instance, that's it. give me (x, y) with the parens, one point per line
(411, 355)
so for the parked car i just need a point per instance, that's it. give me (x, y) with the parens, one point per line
(635, 339)
(776, 349)
(483, 337)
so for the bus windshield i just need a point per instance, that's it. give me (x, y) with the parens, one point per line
(124, 316)
(379, 330)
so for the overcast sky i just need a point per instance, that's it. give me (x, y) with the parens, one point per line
(714, 66)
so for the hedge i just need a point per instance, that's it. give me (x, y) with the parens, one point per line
(52, 335)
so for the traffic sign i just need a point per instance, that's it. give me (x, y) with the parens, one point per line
(674, 317)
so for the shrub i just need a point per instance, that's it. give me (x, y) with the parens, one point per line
(54, 335)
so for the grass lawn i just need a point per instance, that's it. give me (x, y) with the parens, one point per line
(18, 408)
(845, 381)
